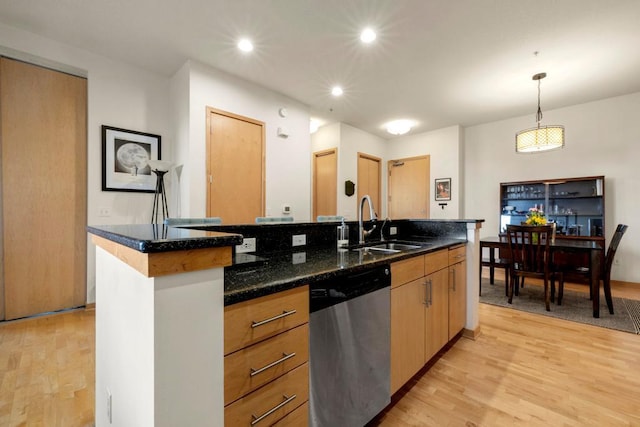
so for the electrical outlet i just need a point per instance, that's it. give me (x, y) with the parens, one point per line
(299, 240)
(109, 407)
(104, 212)
(393, 230)
(299, 258)
(248, 245)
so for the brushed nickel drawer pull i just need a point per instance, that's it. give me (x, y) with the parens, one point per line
(426, 292)
(286, 400)
(285, 313)
(272, 364)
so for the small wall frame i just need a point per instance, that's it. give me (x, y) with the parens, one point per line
(442, 189)
(125, 157)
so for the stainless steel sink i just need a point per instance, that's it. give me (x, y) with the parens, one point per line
(387, 247)
(395, 246)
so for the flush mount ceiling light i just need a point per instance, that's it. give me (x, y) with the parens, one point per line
(540, 138)
(399, 127)
(367, 35)
(336, 91)
(245, 45)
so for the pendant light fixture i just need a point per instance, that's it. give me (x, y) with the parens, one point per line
(539, 138)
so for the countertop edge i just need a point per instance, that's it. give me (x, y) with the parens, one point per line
(252, 292)
(160, 241)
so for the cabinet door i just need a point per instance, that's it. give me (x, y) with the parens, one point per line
(457, 298)
(407, 331)
(437, 313)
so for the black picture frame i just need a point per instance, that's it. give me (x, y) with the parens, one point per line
(125, 156)
(442, 189)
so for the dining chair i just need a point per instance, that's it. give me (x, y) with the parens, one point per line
(502, 261)
(579, 274)
(211, 220)
(273, 219)
(530, 256)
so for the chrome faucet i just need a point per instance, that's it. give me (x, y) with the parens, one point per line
(362, 233)
(382, 228)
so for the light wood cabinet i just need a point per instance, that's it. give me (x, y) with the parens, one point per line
(407, 331)
(266, 373)
(428, 308)
(457, 290)
(436, 313)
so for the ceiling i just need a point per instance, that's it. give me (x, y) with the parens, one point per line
(437, 62)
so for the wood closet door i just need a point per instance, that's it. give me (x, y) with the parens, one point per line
(368, 184)
(409, 188)
(235, 167)
(325, 183)
(44, 188)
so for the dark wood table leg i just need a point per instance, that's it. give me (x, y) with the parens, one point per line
(480, 273)
(492, 260)
(594, 266)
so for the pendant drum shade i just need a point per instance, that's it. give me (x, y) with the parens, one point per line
(539, 138)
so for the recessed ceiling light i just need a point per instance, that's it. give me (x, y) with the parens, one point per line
(336, 91)
(399, 127)
(245, 45)
(367, 35)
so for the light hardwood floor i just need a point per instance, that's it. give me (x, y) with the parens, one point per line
(524, 369)
(47, 370)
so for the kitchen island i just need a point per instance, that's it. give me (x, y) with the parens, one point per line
(160, 297)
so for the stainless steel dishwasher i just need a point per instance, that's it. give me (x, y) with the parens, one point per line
(349, 355)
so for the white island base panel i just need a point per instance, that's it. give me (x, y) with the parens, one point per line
(159, 347)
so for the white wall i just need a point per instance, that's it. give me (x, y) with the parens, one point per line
(601, 139)
(350, 141)
(354, 141)
(288, 160)
(118, 95)
(444, 148)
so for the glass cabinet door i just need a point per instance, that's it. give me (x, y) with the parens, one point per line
(576, 205)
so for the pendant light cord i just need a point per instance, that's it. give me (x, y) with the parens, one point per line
(539, 113)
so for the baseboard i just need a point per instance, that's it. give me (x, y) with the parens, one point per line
(471, 334)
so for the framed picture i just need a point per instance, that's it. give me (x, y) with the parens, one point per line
(125, 160)
(443, 189)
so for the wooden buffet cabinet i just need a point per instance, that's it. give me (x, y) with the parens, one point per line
(266, 368)
(428, 306)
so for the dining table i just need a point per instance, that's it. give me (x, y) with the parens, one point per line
(593, 248)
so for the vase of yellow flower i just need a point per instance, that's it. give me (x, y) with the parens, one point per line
(535, 217)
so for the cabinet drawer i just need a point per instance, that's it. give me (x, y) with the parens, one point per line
(252, 367)
(457, 254)
(406, 270)
(297, 418)
(271, 402)
(252, 321)
(435, 261)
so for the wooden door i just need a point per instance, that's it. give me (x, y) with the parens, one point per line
(409, 188)
(369, 182)
(235, 167)
(43, 116)
(325, 182)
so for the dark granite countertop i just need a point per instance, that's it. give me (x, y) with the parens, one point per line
(267, 274)
(150, 238)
